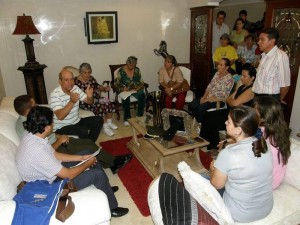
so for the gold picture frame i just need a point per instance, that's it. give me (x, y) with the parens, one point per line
(102, 27)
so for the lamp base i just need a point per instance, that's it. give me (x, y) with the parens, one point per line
(32, 64)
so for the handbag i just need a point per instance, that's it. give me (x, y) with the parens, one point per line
(65, 205)
(182, 88)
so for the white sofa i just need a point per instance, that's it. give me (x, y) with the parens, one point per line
(286, 208)
(91, 205)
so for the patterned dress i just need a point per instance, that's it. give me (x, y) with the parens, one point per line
(101, 105)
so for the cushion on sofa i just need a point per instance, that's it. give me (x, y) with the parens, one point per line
(293, 166)
(9, 175)
(8, 127)
(205, 194)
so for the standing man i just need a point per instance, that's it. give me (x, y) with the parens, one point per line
(219, 28)
(273, 73)
(64, 101)
(247, 24)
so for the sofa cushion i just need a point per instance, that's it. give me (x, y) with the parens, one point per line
(7, 105)
(8, 127)
(293, 166)
(205, 194)
(9, 175)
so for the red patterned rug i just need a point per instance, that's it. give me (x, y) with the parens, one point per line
(133, 176)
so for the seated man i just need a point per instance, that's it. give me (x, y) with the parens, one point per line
(37, 160)
(65, 144)
(64, 101)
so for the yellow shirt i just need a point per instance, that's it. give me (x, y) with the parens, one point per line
(228, 52)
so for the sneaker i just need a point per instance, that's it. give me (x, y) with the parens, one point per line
(107, 130)
(126, 123)
(112, 126)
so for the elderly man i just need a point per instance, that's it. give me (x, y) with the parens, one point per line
(64, 101)
(273, 73)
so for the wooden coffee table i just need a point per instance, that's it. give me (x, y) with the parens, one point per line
(156, 158)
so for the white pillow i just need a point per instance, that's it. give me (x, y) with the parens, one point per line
(153, 202)
(293, 166)
(205, 194)
(9, 174)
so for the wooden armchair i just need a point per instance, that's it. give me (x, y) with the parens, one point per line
(114, 70)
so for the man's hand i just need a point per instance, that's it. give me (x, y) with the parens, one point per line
(74, 97)
(63, 139)
(89, 91)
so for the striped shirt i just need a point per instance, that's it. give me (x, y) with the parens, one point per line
(35, 159)
(273, 72)
(58, 100)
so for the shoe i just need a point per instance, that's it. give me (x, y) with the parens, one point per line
(112, 126)
(115, 188)
(120, 162)
(126, 123)
(107, 130)
(119, 211)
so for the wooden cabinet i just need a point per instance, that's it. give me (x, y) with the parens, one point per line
(200, 47)
(284, 15)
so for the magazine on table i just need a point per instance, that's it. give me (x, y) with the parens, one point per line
(92, 155)
(126, 94)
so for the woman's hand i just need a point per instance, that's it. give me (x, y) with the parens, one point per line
(89, 91)
(125, 89)
(168, 91)
(203, 100)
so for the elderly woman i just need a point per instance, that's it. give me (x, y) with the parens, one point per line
(219, 87)
(129, 78)
(171, 74)
(101, 107)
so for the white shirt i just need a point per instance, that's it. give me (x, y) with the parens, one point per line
(273, 72)
(217, 33)
(58, 100)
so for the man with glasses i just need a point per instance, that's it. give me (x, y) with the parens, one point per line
(219, 28)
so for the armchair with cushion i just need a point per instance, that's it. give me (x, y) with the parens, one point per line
(114, 70)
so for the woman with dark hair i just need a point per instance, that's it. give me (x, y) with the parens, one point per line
(277, 134)
(218, 88)
(238, 35)
(170, 73)
(244, 168)
(37, 160)
(214, 121)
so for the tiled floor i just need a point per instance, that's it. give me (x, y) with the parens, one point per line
(134, 216)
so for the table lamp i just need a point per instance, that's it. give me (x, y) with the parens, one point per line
(25, 26)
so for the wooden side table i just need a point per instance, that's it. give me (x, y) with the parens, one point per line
(35, 84)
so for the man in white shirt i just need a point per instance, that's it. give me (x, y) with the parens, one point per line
(219, 28)
(273, 73)
(64, 101)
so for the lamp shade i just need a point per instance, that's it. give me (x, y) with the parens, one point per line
(25, 26)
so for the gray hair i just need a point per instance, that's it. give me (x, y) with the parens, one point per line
(85, 66)
(131, 60)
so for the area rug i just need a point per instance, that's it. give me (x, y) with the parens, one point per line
(134, 177)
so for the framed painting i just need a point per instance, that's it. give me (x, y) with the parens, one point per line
(102, 27)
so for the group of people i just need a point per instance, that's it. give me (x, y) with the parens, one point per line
(248, 168)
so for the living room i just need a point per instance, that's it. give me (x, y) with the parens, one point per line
(141, 26)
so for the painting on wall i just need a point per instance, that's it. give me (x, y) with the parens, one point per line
(102, 27)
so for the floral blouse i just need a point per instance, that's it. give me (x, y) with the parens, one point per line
(93, 83)
(122, 80)
(220, 87)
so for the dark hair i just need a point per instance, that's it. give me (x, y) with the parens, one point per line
(251, 69)
(243, 12)
(222, 13)
(250, 36)
(22, 103)
(247, 119)
(276, 129)
(38, 118)
(227, 62)
(239, 19)
(172, 59)
(272, 33)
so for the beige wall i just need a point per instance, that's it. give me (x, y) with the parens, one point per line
(142, 24)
